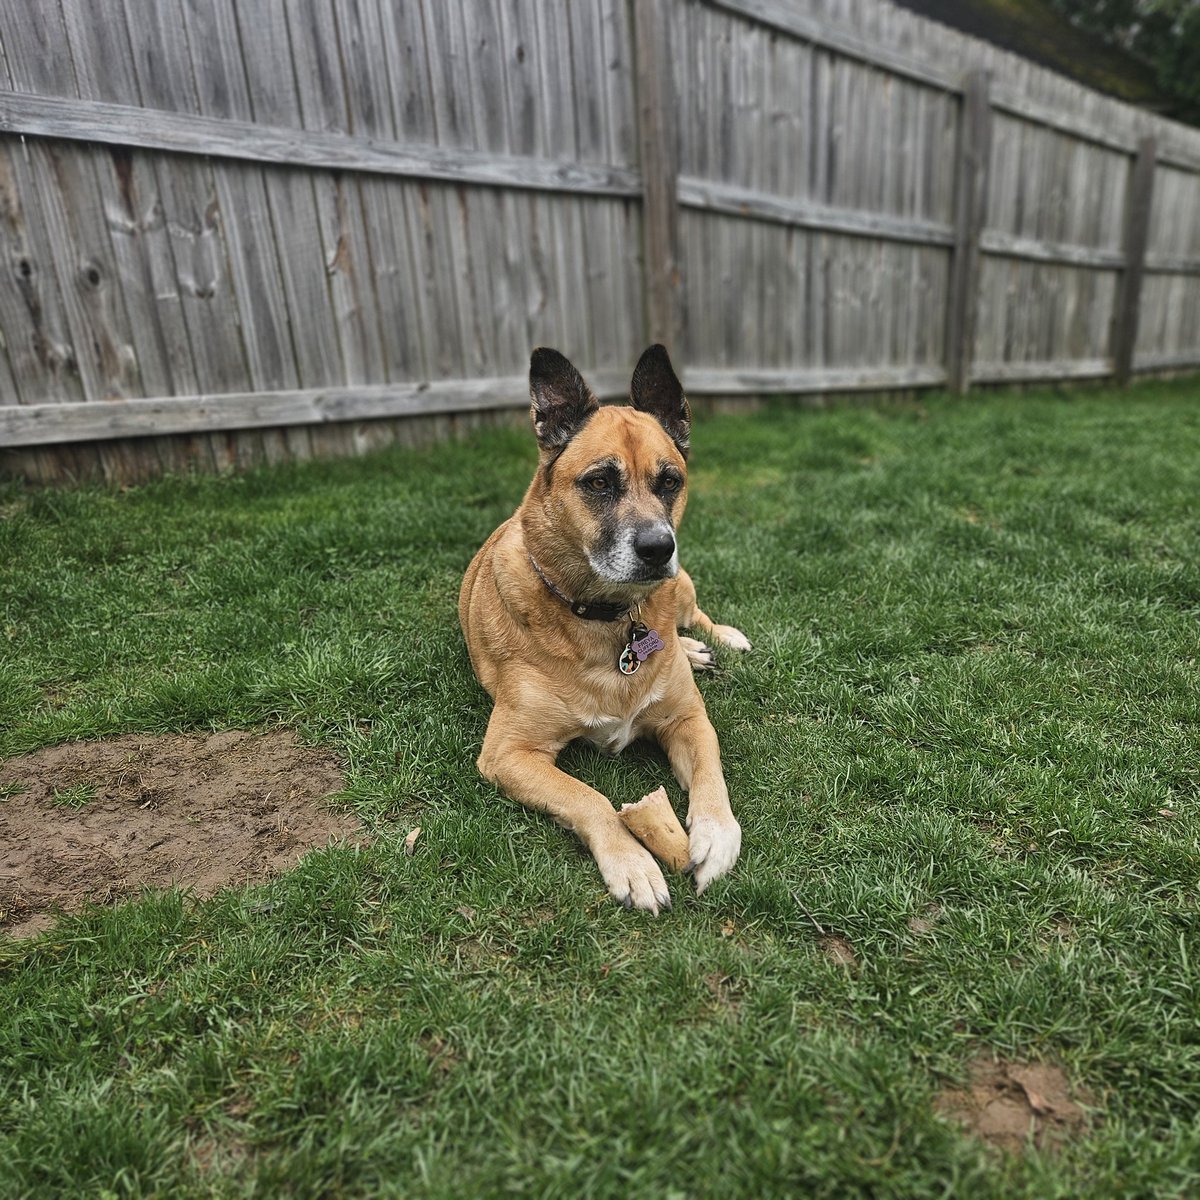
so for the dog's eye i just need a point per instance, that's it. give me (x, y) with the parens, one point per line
(597, 483)
(670, 483)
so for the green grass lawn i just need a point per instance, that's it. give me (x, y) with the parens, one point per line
(967, 742)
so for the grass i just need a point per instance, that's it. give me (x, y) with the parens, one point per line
(965, 745)
(73, 797)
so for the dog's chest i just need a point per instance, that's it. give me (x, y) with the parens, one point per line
(613, 731)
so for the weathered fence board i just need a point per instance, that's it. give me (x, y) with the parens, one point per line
(124, 125)
(305, 223)
(1129, 292)
(972, 180)
(659, 167)
(49, 423)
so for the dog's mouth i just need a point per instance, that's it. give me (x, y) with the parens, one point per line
(640, 575)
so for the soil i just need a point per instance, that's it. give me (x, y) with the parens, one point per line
(1009, 1104)
(102, 821)
(838, 950)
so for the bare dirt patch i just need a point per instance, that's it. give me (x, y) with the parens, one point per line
(926, 921)
(838, 950)
(725, 992)
(1008, 1105)
(101, 821)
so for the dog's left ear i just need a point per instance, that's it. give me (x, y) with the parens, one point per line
(656, 390)
(561, 401)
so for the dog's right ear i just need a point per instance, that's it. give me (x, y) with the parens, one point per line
(561, 401)
(656, 390)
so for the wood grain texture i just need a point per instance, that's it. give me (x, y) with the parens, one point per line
(329, 206)
(994, 241)
(717, 382)
(971, 192)
(1028, 372)
(1129, 291)
(714, 196)
(125, 125)
(45, 424)
(1186, 360)
(138, 460)
(791, 19)
(42, 424)
(657, 136)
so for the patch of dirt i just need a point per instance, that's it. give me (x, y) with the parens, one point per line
(926, 921)
(154, 812)
(442, 1057)
(1008, 1105)
(475, 954)
(838, 950)
(212, 1156)
(725, 990)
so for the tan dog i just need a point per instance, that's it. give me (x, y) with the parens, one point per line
(570, 612)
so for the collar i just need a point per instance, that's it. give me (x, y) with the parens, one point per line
(597, 610)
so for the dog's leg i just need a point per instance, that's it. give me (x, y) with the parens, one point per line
(689, 616)
(531, 777)
(714, 836)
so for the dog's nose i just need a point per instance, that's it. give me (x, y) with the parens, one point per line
(654, 545)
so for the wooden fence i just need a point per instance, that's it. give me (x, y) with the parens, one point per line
(238, 230)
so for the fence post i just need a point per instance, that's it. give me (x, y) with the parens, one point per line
(970, 212)
(1129, 289)
(659, 170)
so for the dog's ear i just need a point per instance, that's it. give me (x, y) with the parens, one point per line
(656, 390)
(561, 401)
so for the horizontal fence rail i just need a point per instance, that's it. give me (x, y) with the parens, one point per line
(47, 424)
(713, 196)
(364, 214)
(186, 133)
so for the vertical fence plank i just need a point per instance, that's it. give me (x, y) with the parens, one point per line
(241, 211)
(1137, 227)
(37, 332)
(659, 164)
(970, 189)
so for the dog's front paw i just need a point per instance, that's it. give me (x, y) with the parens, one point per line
(698, 654)
(713, 847)
(727, 635)
(632, 876)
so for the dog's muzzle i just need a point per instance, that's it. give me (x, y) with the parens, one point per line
(654, 546)
(644, 554)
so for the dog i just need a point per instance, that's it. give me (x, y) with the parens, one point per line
(571, 612)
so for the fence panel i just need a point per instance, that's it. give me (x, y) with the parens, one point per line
(247, 232)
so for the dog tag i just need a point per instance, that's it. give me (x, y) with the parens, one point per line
(642, 643)
(646, 645)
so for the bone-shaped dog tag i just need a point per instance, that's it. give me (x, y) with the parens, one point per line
(646, 645)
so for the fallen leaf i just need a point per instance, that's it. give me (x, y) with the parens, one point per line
(411, 840)
(1007, 1104)
(1037, 1101)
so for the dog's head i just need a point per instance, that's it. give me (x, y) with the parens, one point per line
(611, 484)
